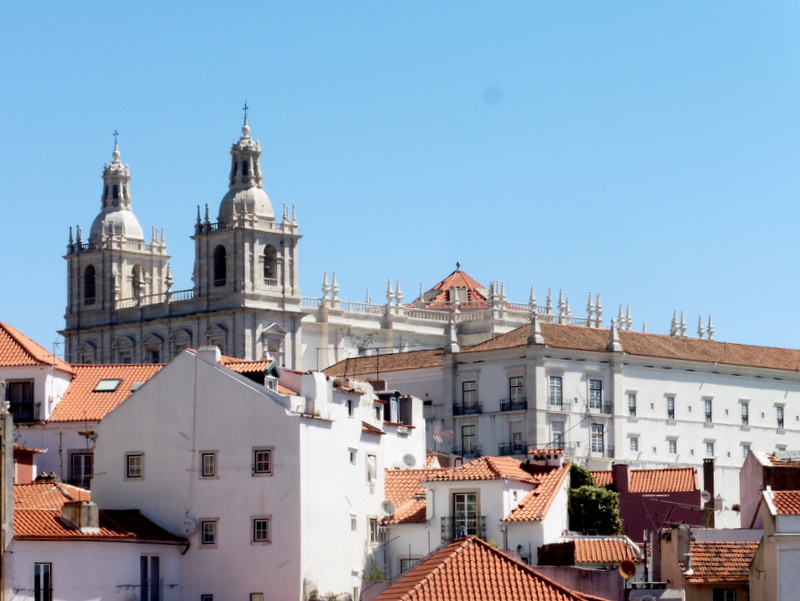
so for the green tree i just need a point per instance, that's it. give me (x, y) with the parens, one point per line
(591, 507)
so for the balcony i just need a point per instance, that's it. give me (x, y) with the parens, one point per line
(468, 452)
(25, 411)
(461, 527)
(468, 409)
(518, 404)
(512, 448)
(709, 417)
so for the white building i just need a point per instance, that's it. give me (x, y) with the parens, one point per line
(279, 494)
(605, 395)
(774, 573)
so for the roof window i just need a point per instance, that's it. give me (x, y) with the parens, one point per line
(107, 385)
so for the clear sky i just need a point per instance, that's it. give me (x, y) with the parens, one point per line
(646, 151)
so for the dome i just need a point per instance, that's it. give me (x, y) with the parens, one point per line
(251, 200)
(121, 222)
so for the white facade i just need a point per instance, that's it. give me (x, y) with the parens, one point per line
(317, 496)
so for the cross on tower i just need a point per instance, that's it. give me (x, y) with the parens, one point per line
(244, 108)
(116, 133)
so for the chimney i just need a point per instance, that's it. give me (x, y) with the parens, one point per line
(209, 354)
(621, 476)
(81, 515)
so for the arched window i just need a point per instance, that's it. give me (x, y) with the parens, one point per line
(115, 191)
(89, 285)
(220, 266)
(270, 266)
(137, 279)
(245, 168)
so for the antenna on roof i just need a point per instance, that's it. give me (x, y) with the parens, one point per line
(458, 265)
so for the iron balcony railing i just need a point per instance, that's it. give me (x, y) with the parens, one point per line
(512, 448)
(470, 525)
(470, 452)
(518, 404)
(25, 411)
(468, 409)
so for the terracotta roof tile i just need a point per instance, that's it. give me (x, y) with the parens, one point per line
(47, 495)
(375, 364)
(721, 561)
(787, 502)
(370, 429)
(471, 569)
(120, 524)
(536, 503)
(439, 294)
(487, 468)
(406, 490)
(81, 402)
(604, 550)
(680, 479)
(16, 349)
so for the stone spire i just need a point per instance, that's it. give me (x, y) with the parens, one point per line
(613, 339)
(452, 345)
(535, 336)
(700, 330)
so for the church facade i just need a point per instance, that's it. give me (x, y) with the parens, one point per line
(245, 299)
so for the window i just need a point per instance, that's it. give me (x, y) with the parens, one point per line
(372, 468)
(353, 522)
(558, 435)
(43, 582)
(206, 597)
(597, 438)
(89, 286)
(465, 515)
(134, 465)
(261, 532)
(468, 446)
(350, 408)
(262, 462)
(208, 532)
(670, 407)
(19, 395)
(150, 578)
(707, 407)
(516, 391)
(724, 594)
(353, 453)
(270, 266)
(672, 446)
(745, 413)
(554, 392)
(220, 266)
(469, 395)
(208, 464)
(745, 449)
(107, 385)
(595, 394)
(709, 448)
(256, 596)
(634, 444)
(779, 415)
(374, 533)
(406, 563)
(632, 404)
(81, 468)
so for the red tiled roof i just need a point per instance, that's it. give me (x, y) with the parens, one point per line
(787, 502)
(242, 366)
(406, 490)
(470, 569)
(370, 429)
(458, 279)
(603, 550)
(721, 561)
(16, 349)
(487, 468)
(536, 503)
(679, 479)
(376, 364)
(18, 448)
(47, 495)
(81, 402)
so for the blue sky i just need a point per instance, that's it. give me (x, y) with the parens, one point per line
(645, 151)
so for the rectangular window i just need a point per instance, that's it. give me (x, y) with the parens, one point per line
(256, 596)
(632, 404)
(596, 395)
(745, 413)
(634, 444)
(597, 438)
(469, 395)
(465, 515)
(353, 454)
(516, 391)
(208, 532)
(468, 444)
(406, 563)
(745, 449)
(262, 462)
(350, 408)
(707, 407)
(149, 578)
(709, 448)
(353, 522)
(555, 392)
(558, 435)
(208, 464)
(670, 407)
(43, 582)
(374, 534)
(134, 465)
(81, 469)
(206, 597)
(724, 594)
(261, 532)
(372, 468)
(779, 415)
(672, 446)
(19, 395)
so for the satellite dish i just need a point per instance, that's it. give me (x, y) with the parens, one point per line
(387, 507)
(188, 527)
(409, 460)
(627, 569)
(705, 496)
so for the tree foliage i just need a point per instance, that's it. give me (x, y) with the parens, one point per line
(592, 509)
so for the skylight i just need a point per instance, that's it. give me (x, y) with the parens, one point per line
(107, 385)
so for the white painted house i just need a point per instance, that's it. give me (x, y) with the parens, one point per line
(278, 492)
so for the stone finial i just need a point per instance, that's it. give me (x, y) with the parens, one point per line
(389, 292)
(621, 317)
(325, 287)
(532, 300)
(334, 288)
(368, 300)
(198, 215)
(163, 237)
(535, 336)
(710, 328)
(590, 309)
(502, 292)
(294, 215)
(598, 322)
(644, 327)
(549, 303)
(567, 309)
(682, 325)
(208, 215)
(673, 327)
(452, 345)
(70, 235)
(700, 330)
(168, 279)
(561, 305)
(628, 319)
(285, 213)
(613, 339)
(398, 295)
(79, 235)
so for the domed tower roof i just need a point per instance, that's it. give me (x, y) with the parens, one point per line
(246, 191)
(116, 217)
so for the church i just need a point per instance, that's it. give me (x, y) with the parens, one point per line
(245, 298)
